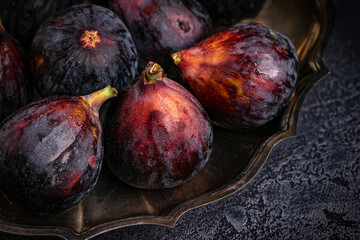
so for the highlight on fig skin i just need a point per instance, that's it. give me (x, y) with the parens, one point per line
(243, 76)
(51, 152)
(157, 135)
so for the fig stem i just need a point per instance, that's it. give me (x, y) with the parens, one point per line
(96, 99)
(177, 57)
(153, 72)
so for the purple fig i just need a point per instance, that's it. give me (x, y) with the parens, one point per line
(243, 76)
(157, 134)
(51, 151)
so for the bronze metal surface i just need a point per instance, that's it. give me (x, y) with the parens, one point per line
(235, 160)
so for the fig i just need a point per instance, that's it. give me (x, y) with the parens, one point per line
(161, 27)
(243, 76)
(15, 91)
(51, 151)
(157, 134)
(81, 49)
(22, 18)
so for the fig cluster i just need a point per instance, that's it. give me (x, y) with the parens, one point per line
(156, 132)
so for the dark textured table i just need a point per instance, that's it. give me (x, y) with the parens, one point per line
(309, 188)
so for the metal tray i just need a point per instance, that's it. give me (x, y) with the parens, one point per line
(235, 160)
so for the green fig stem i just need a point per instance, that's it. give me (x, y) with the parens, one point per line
(177, 57)
(96, 99)
(153, 72)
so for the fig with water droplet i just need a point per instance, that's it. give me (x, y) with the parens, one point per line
(161, 27)
(14, 89)
(157, 134)
(243, 76)
(80, 50)
(51, 151)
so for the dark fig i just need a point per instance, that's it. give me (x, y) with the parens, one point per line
(81, 49)
(157, 134)
(243, 76)
(22, 18)
(14, 89)
(161, 27)
(51, 151)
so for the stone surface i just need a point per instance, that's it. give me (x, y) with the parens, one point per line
(309, 188)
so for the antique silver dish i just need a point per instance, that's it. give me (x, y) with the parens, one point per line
(235, 160)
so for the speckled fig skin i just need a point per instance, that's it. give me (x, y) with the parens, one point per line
(243, 76)
(161, 27)
(51, 151)
(80, 50)
(157, 134)
(15, 91)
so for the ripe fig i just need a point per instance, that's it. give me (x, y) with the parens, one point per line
(161, 27)
(51, 151)
(157, 134)
(14, 89)
(81, 49)
(243, 76)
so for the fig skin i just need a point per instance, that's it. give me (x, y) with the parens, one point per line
(80, 50)
(243, 76)
(51, 151)
(15, 91)
(161, 27)
(157, 134)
